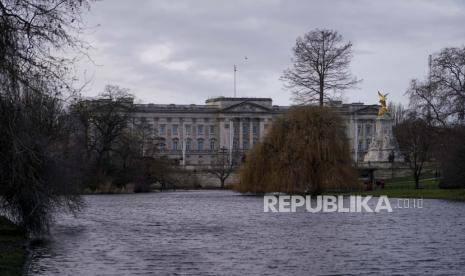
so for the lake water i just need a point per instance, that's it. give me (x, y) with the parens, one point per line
(225, 233)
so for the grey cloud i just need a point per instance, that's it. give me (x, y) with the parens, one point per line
(392, 40)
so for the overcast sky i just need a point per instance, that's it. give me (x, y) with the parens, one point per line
(183, 51)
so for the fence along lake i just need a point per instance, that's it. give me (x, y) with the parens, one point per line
(225, 233)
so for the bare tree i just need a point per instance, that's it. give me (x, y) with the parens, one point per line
(448, 74)
(442, 96)
(398, 112)
(106, 124)
(143, 135)
(133, 144)
(221, 166)
(440, 99)
(35, 145)
(426, 101)
(320, 66)
(416, 140)
(40, 161)
(30, 31)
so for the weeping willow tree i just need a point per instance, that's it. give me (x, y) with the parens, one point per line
(305, 151)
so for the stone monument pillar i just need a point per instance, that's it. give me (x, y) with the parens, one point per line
(383, 146)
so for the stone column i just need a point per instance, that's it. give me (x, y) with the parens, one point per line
(231, 137)
(222, 133)
(240, 133)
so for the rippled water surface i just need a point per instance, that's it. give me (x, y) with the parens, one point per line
(224, 233)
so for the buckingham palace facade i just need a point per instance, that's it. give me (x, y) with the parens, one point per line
(193, 134)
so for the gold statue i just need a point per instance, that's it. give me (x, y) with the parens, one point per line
(382, 100)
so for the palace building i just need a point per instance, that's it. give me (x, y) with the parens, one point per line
(193, 134)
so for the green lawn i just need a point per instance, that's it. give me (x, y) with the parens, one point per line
(405, 187)
(12, 248)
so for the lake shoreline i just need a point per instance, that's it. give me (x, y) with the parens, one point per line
(404, 187)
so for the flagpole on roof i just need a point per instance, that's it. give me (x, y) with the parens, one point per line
(235, 71)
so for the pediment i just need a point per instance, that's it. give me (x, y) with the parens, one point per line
(246, 107)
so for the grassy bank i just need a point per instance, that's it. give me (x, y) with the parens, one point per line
(405, 187)
(12, 248)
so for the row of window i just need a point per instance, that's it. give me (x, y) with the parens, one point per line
(200, 129)
(200, 145)
(245, 128)
(176, 145)
(245, 143)
(188, 129)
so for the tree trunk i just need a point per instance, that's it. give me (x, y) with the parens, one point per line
(417, 181)
(222, 183)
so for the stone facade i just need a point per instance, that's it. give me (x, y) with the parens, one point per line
(360, 121)
(192, 134)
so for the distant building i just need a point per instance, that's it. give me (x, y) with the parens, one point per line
(192, 134)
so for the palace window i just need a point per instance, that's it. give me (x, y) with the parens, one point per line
(175, 144)
(188, 144)
(200, 144)
(212, 144)
(162, 129)
(245, 129)
(200, 130)
(188, 129)
(175, 130)
(212, 130)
